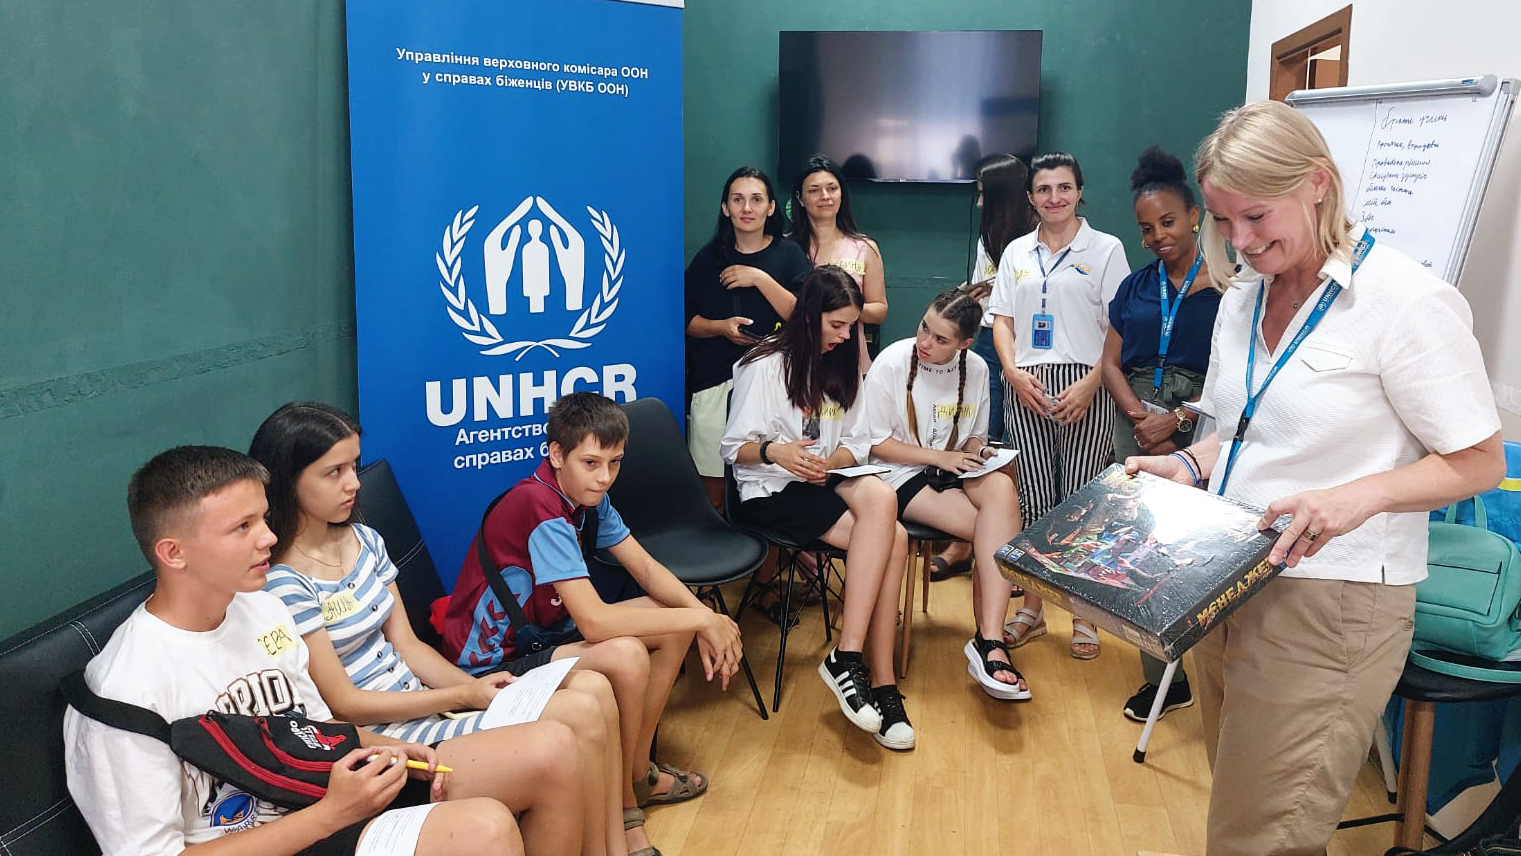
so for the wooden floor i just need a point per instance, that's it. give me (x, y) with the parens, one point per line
(988, 778)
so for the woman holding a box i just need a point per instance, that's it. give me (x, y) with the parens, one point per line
(1351, 399)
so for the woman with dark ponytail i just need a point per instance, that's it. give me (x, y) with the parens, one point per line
(1157, 349)
(927, 408)
(1006, 214)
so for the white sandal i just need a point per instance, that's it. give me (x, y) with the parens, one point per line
(1024, 626)
(1083, 634)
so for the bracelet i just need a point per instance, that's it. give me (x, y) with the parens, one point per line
(763, 457)
(1198, 468)
(986, 449)
(1191, 471)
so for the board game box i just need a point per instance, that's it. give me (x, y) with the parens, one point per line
(1150, 560)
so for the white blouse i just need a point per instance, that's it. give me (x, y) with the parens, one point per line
(934, 399)
(759, 410)
(1391, 374)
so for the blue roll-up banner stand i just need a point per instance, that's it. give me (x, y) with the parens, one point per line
(517, 232)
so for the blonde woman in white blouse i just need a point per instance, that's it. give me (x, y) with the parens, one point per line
(1351, 398)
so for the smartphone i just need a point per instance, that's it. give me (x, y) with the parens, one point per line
(755, 331)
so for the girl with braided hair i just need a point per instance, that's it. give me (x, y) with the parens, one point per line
(927, 407)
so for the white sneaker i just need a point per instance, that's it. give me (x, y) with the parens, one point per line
(851, 684)
(896, 731)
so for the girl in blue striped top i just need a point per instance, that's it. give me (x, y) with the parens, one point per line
(335, 577)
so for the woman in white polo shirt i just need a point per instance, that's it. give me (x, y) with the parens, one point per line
(1351, 397)
(1051, 309)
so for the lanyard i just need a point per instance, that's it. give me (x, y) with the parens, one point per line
(1055, 266)
(1169, 314)
(1333, 288)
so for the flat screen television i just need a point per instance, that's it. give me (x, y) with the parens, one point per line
(907, 106)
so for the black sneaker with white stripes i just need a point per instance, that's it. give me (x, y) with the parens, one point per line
(846, 676)
(896, 731)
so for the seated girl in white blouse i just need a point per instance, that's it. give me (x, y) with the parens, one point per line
(927, 405)
(794, 417)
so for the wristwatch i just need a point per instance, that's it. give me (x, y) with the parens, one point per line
(1185, 422)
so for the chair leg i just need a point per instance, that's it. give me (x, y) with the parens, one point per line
(1385, 760)
(746, 598)
(926, 550)
(744, 662)
(826, 567)
(906, 621)
(1415, 770)
(781, 648)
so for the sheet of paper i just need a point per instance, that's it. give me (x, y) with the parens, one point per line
(1153, 407)
(1000, 459)
(862, 470)
(524, 699)
(394, 833)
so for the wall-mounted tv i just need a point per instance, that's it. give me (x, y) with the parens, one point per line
(907, 106)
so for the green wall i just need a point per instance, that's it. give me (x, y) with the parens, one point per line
(175, 245)
(1116, 76)
(176, 262)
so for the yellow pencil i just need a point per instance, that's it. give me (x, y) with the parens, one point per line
(419, 765)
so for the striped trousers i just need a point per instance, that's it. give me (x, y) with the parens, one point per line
(1054, 459)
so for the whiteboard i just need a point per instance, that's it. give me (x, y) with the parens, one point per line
(1415, 158)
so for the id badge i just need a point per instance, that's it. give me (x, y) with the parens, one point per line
(1040, 330)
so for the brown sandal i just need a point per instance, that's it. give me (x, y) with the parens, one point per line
(684, 787)
(633, 817)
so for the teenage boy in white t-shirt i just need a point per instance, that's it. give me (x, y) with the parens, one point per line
(208, 638)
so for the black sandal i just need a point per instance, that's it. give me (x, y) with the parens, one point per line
(768, 602)
(985, 670)
(944, 570)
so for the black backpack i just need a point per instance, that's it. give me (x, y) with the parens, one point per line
(285, 760)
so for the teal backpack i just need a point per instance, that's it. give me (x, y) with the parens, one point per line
(1468, 603)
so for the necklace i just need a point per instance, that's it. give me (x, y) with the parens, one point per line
(314, 558)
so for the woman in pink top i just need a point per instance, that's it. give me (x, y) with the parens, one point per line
(826, 230)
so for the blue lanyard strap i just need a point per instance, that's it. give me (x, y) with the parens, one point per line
(1169, 314)
(1333, 288)
(1056, 266)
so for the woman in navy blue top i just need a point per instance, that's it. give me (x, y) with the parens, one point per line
(1157, 348)
(1149, 382)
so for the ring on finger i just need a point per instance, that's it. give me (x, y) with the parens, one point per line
(1312, 537)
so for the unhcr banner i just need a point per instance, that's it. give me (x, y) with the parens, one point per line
(517, 232)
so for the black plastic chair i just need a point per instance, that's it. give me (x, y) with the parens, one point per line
(661, 498)
(1422, 689)
(382, 508)
(789, 559)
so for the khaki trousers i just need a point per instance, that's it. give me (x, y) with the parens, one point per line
(1291, 688)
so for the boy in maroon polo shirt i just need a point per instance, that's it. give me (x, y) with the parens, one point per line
(533, 535)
